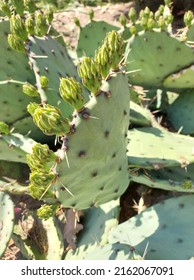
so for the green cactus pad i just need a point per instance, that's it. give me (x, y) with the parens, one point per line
(115, 251)
(169, 178)
(150, 52)
(181, 79)
(97, 150)
(181, 113)
(139, 116)
(14, 147)
(95, 234)
(162, 232)
(154, 148)
(39, 239)
(6, 221)
(49, 58)
(88, 43)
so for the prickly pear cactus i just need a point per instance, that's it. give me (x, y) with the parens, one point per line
(94, 142)
(6, 221)
(167, 230)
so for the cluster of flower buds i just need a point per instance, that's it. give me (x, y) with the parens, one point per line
(40, 182)
(88, 70)
(71, 91)
(47, 211)
(41, 162)
(110, 53)
(188, 18)
(4, 128)
(49, 119)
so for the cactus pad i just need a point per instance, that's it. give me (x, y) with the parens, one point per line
(6, 221)
(165, 229)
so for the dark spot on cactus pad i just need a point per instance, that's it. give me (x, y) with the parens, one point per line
(142, 60)
(152, 250)
(163, 226)
(60, 75)
(179, 240)
(106, 134)
(120, 168)
(178, 49)
(62, 189)
(101, 188)
(42, 50)
(94, 174)
(5, 102)
(181, 205)
(116, 190)
(53, 52)
(114, 155)
(86, 36)
(8, 49)
(9, 62)
(20, 100)
(82, 154)
(73, 205)
(124, 112)
(159, 48)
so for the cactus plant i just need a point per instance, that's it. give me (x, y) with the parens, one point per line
(169, 223)
(6, 221)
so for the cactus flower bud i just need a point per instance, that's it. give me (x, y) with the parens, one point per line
(40, 183)
(47, 211)
(49, 15)
(17, 27)
(91, 14)
(4, 128)
(41, 157)
(161, 23)
(29, 24)
(133, 29)
(132, 14)
(30, 90)
(77, 22)
(71, 92)
(41, 26)
(49, 119)
(123, 20)
(102, 58)
(44, 82)
(5, 8)
(16, 43)
(188, 18)
(18, 6)
(88, 70)
(30, 6)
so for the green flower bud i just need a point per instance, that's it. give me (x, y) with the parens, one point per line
(132, 14)
(49, 119)
(30, 90)
(161, 9)
(151, 23)
(16, 43)
(29, 25)
(40, 183)
(41, 26)
(115, 45)
(5, 8)
(102, 58)
(49, 15)
(18, 6)
(44, 82)
(17, 27)
(41, 158)
(169, 19)
(30, 6)
(71, 92)
(161, 23)
(146, 12)
(188, 18)
(91, 14)
(77, 22)
(47, 211)
(133, 30)
(4, 128)
(88, 70)
(123, 20)
(144, 22)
